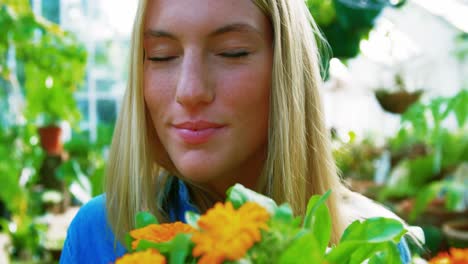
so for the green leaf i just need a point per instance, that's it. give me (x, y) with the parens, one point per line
(318, 220)
(374, 230)
(284, 214)
(314, 203)
(454, 194)
(145, 218)
(342, 252)
(357, 251)
(378, 258)
(302, 250)
(388, 255)
(181, 245)
(392, 253)
(423, 199)
(363, 252)
(163, 248)
(238, 195)
(460, 102)
(128, 242)
(192, 218)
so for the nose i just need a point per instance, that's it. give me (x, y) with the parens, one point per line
(193, 88)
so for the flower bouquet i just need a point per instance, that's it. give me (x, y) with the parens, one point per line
(252, 228)
(454, 256)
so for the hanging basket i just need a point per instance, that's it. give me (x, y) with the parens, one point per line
(396, 102)
(456, 232)
(50, 138)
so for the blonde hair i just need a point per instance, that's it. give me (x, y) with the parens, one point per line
(299, 162)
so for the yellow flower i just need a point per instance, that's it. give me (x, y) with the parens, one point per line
(159, 233)
(227, 234)
(149, 256)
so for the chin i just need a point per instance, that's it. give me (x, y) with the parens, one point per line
(197, 174)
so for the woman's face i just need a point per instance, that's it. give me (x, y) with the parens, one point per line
(207, 80)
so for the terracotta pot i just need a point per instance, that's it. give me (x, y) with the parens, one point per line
(435, 214)
(51, 139)
(456, 232)
(396, 102)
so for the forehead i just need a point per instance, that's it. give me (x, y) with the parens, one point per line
(185, 14)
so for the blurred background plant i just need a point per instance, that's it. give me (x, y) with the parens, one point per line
(344, 23)
(412, 159)
(41, 68)
(48, 62)
(429, 157)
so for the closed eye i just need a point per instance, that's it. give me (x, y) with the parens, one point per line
(161, 59)
(235, 54)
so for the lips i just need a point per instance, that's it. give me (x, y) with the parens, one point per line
(197, 125)
(197, 132)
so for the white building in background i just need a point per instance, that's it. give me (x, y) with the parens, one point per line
(412, 40)
(104, 27)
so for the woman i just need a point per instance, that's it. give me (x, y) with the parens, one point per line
(219, 92)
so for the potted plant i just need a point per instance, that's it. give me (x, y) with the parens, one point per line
(397, 101)
(428, 152)
(456, 232)
(50, 66)
(356, 160)
(426, 149)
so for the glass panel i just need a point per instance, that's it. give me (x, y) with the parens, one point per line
(104, 85)
(51, 10)
(106, 111)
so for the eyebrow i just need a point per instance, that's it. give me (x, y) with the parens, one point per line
(235, 27)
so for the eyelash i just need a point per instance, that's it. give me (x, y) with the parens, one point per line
(161, 59)
(230, 55)
(235, 55)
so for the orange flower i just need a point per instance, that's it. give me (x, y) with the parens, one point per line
(456, 256)
(459, 255)
(227, 233)
(159, 233)
(441, 258)
(149, 256)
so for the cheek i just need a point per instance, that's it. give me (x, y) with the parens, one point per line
(247, 92)
(157, 92)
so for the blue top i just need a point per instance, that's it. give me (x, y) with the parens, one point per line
(90, 239)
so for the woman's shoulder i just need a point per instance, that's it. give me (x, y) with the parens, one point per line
(89, 236)
(358, 207)
(93, 209)
(91, 219)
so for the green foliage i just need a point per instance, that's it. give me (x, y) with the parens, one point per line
(304, 250)
(430, 146)
(452, 190)
(20, 154)
(356, 158)
(287, 241)
(318, 220)
(238, 195)
(52, 62)
(345, 23)
(180, 249)
(145, 218)
(86, 165)
(365, 240)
